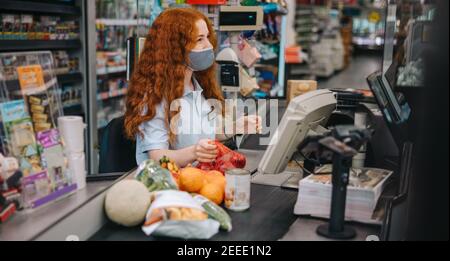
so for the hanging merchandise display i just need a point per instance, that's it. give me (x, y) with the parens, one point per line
(248, 54)
(20, 136)
(206, 2)
(30, 105)
(269, 43)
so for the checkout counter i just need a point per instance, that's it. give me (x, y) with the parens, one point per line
(81, 216)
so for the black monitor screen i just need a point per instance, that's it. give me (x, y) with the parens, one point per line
(237, 18)
(382, 83)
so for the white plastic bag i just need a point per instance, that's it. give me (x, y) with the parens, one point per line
(176, 214)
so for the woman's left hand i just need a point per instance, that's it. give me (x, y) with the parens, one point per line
(248, 125)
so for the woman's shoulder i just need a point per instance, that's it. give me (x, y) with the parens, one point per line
(160, 108)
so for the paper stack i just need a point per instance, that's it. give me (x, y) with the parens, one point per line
(364, 190)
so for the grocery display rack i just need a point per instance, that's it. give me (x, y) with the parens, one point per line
(113, 22)
(306, 26)
(40, 7)
(270, 69)
(70, 9)
(73, 83)
(38, 45)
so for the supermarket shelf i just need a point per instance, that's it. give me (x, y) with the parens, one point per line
(371, 41)
(36, 7)
(304, 12)
(300, 71)
(110, 49)
(111, 94)
(273, 61)
(71, 105)
(366, 7)
(117, 22)
(62, 78)
(35, 45)
(110, 70)
(69, 77)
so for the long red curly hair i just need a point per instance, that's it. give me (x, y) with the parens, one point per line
(159, 75)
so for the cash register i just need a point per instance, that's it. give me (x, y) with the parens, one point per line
(306, 114)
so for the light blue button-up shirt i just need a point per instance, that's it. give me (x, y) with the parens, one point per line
(196, 122)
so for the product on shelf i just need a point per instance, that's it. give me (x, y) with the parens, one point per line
(327, 56)
(53, 159)
(7, 210)
(7, 26)
(248, 54)
(111, 62)
(292, 54)
(39, 154)
(346, 34)
(111, 37)
(267, 77)
(41, 111)
(27, 26)
(111, 87)
(65, 63)
(299, 87)
(33, 27)
(20, 136)
(70, 95)
(124, 9)
(206, 2)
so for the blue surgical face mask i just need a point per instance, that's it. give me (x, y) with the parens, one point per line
(201, 60)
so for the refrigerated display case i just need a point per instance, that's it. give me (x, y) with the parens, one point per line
(115, 22)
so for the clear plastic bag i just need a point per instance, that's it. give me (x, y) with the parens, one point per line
(215, 212)
(154, 177)
(176, 214)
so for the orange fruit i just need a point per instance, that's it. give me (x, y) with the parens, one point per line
(213, 192)
(191, 179)
(215, 177)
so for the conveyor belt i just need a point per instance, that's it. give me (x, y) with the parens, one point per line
(269, 218)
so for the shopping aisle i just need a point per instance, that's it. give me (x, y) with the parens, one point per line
(362, 64)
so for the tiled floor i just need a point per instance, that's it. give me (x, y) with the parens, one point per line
(355, 75)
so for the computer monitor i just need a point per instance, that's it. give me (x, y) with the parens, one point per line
(393, 111)
(382, 83)
(303, 115)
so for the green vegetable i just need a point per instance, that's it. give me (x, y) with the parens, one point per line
(215, 212)
(164, 159)
(154, 177)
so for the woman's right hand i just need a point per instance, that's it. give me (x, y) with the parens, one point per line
(205, 151)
